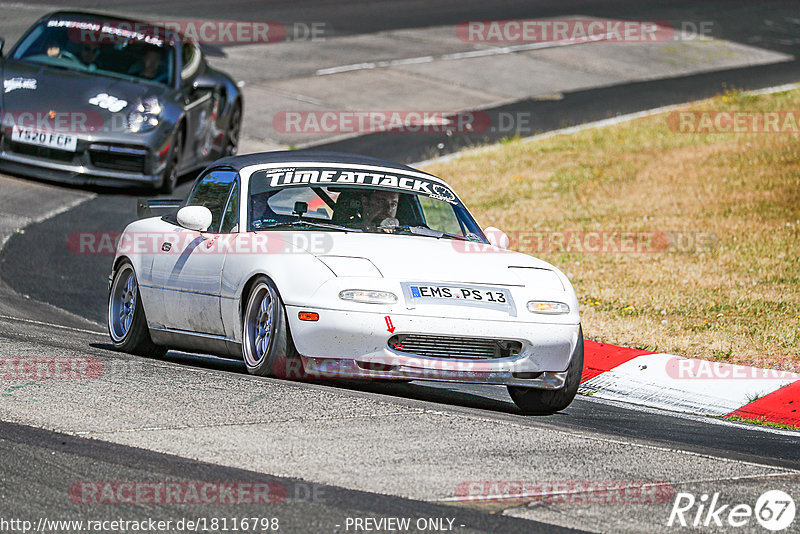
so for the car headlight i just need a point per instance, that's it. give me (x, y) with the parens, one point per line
(548, 307)
(367, 296)
(145, 115)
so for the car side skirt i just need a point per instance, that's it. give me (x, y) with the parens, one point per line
(205, 343)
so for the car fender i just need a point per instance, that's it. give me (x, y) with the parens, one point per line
(297, 275)
(134, 245)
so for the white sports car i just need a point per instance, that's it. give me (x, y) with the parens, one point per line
(326, 265)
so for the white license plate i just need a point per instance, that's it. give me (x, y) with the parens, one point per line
(498, 298)
(60, 141)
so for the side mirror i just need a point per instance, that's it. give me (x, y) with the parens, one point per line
(2, 44)
(202, 83)
(197, 218)
(497, 237)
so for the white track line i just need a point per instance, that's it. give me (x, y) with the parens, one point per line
(39, 218)
(692, 417)
(458, 55)
(42, 323)
(596, 435)
(599, 124)
(47, 215)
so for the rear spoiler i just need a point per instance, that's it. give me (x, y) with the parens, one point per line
(145, 206)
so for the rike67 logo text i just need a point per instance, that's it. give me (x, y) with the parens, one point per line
(774, 510)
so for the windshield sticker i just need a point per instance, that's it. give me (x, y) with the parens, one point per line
(119, 30)
(106, 101)
(444, 193)
(300, 177)
(13, 84)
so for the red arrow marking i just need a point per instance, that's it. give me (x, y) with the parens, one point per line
(389, 325)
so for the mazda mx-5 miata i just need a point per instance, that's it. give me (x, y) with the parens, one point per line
(320, 264)
(94, 99)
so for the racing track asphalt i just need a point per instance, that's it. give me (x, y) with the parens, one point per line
(34, 480)
(403, 440)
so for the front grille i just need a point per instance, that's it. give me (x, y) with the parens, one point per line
(41, 152)
(118, 157)
(470, 348)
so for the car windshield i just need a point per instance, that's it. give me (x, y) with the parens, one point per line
(117, 49)
(319, 198)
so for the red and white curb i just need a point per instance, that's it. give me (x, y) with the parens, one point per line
(688, 385)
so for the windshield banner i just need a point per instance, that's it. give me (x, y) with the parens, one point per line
(321, 176)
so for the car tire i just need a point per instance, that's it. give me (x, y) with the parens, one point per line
(548, 401)
(172, 171)
(234, 131)
(127, 324)
(267, 347)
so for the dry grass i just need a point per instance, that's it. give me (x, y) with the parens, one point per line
(729, 290)
(763, 422)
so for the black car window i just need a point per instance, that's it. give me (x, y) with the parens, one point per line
(230, 219)
(213, 191)
(124, 54)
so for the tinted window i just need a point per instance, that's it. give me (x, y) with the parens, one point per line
(212, 191)
(108, 49)
(230, 220)
(360, 208)
(440, 215)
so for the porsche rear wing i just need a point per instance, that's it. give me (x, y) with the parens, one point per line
(145, 206)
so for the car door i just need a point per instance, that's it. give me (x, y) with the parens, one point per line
(200, 104)
(188, 267)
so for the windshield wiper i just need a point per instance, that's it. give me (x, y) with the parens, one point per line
(307, 224)
(423, 231)
(454, 236)
(420, 230)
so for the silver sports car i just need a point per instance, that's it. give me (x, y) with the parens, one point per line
(90, 98)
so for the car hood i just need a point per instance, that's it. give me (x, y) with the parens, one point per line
(415, 258)
(67, 93)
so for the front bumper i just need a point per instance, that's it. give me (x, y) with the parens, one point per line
(93, 163)
(424, 369)
(348, 344)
